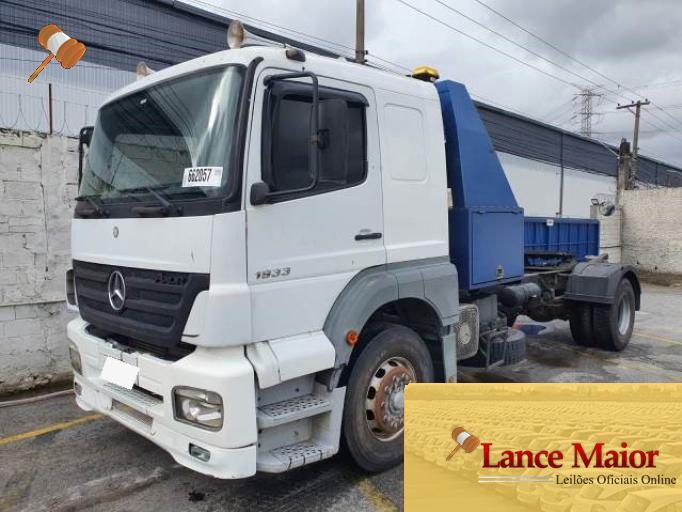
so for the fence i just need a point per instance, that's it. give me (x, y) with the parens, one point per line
(46, 107)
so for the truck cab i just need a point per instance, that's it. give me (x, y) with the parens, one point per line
(243, 219)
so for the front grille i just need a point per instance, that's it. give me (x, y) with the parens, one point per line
(127, 412)
(139, 396)
(156, 307)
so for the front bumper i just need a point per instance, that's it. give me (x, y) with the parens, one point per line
(148, 409)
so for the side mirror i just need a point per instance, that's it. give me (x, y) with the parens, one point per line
(85, 135)
(84, 138)
(260, 193)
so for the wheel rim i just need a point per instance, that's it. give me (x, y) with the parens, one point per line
(624, 314)
(385, 397)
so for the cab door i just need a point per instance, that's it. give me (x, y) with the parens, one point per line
(317, 229)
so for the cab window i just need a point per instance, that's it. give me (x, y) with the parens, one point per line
(288, 146)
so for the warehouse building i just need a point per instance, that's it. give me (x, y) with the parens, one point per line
(570, 169)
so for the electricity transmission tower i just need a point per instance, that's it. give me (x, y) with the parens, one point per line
(586, 106)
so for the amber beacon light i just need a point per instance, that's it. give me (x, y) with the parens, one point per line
(67, 50)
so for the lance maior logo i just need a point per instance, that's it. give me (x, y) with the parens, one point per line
(595, 456)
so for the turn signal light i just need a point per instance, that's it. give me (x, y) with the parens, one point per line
(75, 358)
(352, 337)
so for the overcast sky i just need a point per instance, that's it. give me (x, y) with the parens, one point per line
(635, 43)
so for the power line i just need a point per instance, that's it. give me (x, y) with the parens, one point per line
(667, 123)
(497, 104)
(508, 55)
(518, 45)
(547, 43)
(479, 41)
(559, 109)
(238, 15)
(569, 56)
(659, 85)
(520, 61)
(394, 64)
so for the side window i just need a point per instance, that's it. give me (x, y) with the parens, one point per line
(404, 135)
(288, 146)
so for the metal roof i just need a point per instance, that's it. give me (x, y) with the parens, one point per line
(528, 138)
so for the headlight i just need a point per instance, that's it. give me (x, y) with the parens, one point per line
(75, 357)
(198, 407)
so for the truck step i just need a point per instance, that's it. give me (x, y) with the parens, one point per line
(291, 410)
(292, 456)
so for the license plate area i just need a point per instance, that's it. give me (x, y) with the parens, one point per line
(120, 373)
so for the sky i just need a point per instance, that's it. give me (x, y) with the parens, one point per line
(632, 50)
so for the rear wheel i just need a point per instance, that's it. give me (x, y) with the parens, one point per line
(373, 417)
(613, 323)
(580, 320)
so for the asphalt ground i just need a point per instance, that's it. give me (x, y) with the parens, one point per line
(55, 457)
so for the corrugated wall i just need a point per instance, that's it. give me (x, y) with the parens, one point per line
(516, 135)
(117, 33)
(121, 33)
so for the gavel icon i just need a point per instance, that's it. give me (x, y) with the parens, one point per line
(465, 440)
(67, 50)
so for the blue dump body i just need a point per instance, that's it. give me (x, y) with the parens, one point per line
(486, 225)
(579, 237)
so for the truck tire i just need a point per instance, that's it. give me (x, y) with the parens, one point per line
(373, 416)
(580, 320)
(613, 323)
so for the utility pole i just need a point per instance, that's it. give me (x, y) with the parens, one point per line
(360, 32)
(624, 169)
(49, 107)
(635, 139)
(587, 110)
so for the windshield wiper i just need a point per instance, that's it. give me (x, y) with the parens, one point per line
(97, 209)
(144, 211)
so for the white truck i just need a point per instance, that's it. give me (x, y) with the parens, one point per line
(262, 262)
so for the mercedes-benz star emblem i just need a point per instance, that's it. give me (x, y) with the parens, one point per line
(117, 290)
(115, 231)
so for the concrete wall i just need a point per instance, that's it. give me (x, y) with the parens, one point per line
(609, 234)
(652, 229)
(38, 181)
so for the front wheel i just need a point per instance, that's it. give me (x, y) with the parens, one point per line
(613, 324)
(373, 417)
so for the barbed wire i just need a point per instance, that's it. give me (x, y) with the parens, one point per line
(35, 116)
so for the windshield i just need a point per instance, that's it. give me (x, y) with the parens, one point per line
(175, 138)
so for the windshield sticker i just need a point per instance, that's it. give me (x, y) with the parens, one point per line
(202, 177)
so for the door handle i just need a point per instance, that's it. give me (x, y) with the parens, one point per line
(368, 236)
